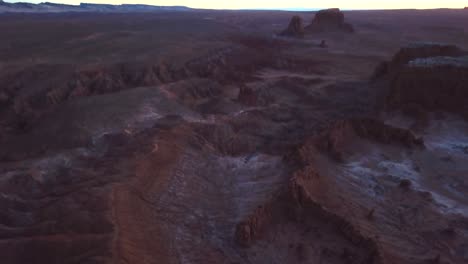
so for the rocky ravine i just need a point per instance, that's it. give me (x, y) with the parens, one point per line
(383, 188)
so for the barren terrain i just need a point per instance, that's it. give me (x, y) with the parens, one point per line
(203, 136)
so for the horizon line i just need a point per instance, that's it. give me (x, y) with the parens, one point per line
(292, 9)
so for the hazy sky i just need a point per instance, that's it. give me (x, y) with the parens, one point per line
(281, 4)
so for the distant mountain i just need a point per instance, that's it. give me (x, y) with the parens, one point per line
(131, 7)
(16, 5)
(46, 7)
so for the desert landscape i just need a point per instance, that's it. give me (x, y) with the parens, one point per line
(134, 134)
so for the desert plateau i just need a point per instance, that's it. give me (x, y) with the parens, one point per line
(170, 135)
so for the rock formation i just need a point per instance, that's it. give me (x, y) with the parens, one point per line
(336, 140)
(425, 77)
(423, 50)
(323, 44)
(415, 51)
(247, 96)
(246, 149)
(295, 28)
(329, 20)
(305, 199)
(254, 95)
(252, 228)
(436, 83)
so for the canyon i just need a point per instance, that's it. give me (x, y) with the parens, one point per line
(217, 136)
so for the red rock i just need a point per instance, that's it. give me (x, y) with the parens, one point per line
(252, 228)
(337, 140)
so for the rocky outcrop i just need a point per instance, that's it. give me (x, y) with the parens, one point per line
(323, 44)
(296, 206)
(247, 96)
(425, 77)
(254, 96)
(304, 206)
(423, 50)
(414, 51)
(329, 20)
(252, 228)
(225, 139)
(295, 28)
(437, 83)
(367, 209)
(336, 141)
(43, 86)
(52, 84)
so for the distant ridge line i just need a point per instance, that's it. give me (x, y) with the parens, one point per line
(46, 7)
(49, 7)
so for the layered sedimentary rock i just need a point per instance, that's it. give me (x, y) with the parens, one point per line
(116, 173)
(252, 229)
(310, 200)
(436, 83)
(425, 77)
(336, 141)
(329, 20)
(415, 51)
(295, 28)
(379, 194)
(424, 50)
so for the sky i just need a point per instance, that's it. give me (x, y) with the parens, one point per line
(281, 4)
